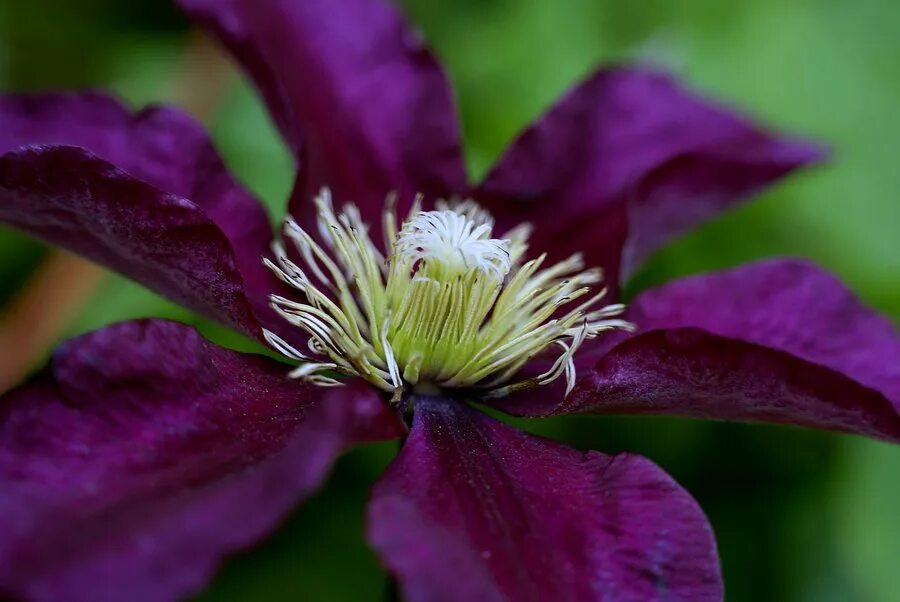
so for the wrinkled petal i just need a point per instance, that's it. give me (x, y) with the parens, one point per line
(474, 510)
(364, 105)
(143, 454)
(70, 198)
(627, 160)
(161, 146)
(776, 341)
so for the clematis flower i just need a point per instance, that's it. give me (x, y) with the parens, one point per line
(143, 454)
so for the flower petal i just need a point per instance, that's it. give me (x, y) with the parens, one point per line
(472, 509)
(777, 341)
(70, 198)
(364, 105)
(161, 146)
(627, 160)
(144, 454)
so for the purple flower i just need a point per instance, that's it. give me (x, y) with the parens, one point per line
(143, 453)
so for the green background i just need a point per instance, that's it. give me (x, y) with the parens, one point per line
(799, 515)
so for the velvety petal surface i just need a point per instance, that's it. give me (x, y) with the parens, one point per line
(359, 98)
(627, 160)
(144, 453)
(71, 198)
(163, 147)
(777, 341)
(472, 509)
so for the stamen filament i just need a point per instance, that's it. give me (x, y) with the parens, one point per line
(448, 307)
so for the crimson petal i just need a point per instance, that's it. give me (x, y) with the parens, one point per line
(144, 454)
(777, 341)
(364, 105)
(472, 509)
(627, 160)
(159, 145)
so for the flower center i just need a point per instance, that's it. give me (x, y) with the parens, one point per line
(449, 308)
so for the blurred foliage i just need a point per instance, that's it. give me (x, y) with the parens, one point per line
(799, 515)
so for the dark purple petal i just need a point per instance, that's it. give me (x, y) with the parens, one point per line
(787, 304)
(777, 341)
(70, 198)
(161, 146)
(359, 98)
(627, 160)
(474, 510)
(143, 454)
(90, 119)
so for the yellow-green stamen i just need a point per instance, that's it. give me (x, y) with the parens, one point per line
(448, 308)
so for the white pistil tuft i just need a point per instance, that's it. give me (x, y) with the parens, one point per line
(454, 241)
(450, 307)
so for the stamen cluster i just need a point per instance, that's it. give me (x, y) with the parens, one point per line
(448, 308)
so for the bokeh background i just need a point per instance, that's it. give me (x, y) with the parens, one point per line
(799, 515)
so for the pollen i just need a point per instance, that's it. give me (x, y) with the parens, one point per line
(448, 307)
